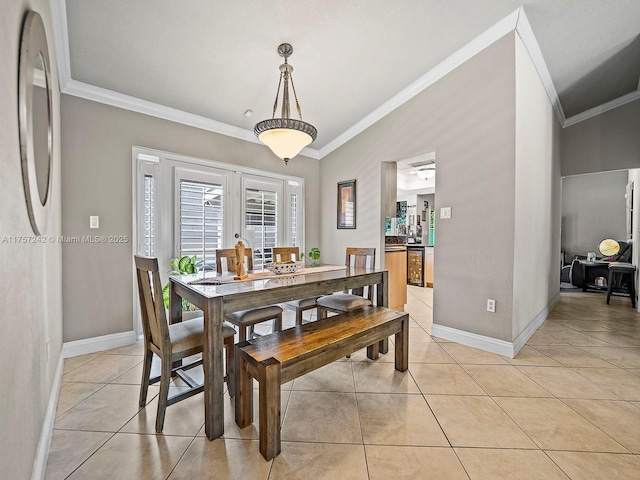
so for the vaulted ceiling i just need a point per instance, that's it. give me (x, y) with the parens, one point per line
(214, 59)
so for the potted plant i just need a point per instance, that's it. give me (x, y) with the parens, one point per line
(181, 266)
(313, 256)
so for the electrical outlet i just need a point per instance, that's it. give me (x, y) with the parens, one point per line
(491, 305)
(94, 221)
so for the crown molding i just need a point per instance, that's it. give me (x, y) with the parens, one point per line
(605, 107)
(75, 88)
(516, 20)
(525, 32)
(475, 46)
(134, 104)
(58, 11)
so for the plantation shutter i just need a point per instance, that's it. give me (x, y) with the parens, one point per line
(261, 223)
(148, 216)
(293, 219)
(201, 219)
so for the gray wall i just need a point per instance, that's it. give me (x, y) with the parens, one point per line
(610, 141)
(468, 119)
(593, 208)
(97, 180)
(31, 273)
(536, 272)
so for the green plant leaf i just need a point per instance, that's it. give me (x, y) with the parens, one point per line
(165, 296)
(182, 264)
(174, 263)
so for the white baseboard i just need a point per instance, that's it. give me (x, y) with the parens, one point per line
(494, 345)
(97, 344)
(526, 334)
(42, 454)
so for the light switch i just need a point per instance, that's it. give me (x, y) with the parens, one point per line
(94, 221)
(445, 212)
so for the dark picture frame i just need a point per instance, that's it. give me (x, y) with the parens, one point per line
(346, 206)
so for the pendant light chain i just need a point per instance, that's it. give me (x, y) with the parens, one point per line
(293, 87)
(275, 103)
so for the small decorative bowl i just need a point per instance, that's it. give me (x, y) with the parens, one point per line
(282, 268)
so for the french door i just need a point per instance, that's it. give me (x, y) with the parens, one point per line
(187, 206)
(262, 217)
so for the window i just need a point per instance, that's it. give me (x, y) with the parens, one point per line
(294, 219)
(261, 224)
(148, 218)
(189, 206)
(201, 219)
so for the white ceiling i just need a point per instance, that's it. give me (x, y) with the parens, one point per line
(217, 59)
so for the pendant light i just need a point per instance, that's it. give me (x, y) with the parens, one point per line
(285, 136)
(426, 173)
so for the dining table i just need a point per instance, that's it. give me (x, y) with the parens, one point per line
(217, 294)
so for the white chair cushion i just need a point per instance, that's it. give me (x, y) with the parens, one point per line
(255, 315)
(345, 302)
(302, 303)
(190, 333)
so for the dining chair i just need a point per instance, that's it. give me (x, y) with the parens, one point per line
(285, 254)
(171, 343)
(347, 301)
(246, 318)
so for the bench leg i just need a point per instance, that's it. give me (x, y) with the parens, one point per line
(244, 392)
(402, 346)
(269, 376)
(384, 345)
(373, 351)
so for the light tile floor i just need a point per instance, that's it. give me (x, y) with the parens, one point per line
(568, 406)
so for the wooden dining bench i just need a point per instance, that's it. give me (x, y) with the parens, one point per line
(282, 356)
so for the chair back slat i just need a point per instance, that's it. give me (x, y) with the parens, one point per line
(361, 258)
(286, 254)
(229, 254)
(154, 319)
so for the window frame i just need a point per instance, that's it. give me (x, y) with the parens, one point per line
(166, 165)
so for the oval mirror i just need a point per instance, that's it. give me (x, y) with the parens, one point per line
(35, 112)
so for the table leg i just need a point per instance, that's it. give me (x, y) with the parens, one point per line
(402, 346)
(584, 277)
(383, 346)
(175, 305)
(175, 313)
(213, 368)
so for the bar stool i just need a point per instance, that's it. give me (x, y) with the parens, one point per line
(622, 269)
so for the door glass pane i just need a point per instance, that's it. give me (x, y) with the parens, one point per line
(294, 220)
(201, 220)
(261, 223)
(148, 221)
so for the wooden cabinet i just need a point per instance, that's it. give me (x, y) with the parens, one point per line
(396, 263)
(428, 266)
